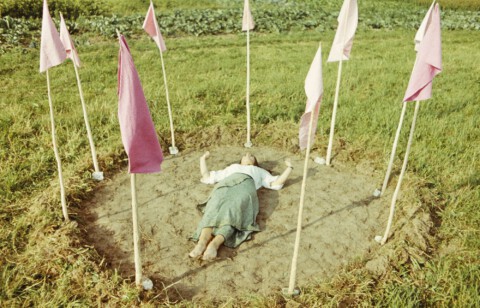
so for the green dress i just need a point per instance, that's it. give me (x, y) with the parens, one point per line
(231, 210)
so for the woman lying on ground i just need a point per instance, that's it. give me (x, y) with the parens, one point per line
(229, 214)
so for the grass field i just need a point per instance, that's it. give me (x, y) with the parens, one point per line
(46, 262)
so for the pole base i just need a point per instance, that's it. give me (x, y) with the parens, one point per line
(98, 176)
(248, 144)
(377, 193)
(147, 284)
(320, 160)
(296, 292)
(173, 150)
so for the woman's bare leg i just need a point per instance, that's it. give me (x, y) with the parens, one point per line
(212, 248)
(204, 239)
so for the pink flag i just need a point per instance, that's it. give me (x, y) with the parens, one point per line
(150, 26)
(314, 91)
(247, 21)
(138, 132)
(428, 62)
(347, 25)
(68, 43)
(423, 27)
(52, 52)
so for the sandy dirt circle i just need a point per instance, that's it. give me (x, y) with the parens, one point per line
(340, 221)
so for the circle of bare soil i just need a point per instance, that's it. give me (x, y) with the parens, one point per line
(340, 220)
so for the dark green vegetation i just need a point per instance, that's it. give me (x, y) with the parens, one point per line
(219, 17)
(45, 262)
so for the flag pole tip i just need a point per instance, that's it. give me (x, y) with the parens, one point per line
(248, 144)
(173, 150)
(147, 283)
(295, 292)
(98, 176)
(320, 160)
(379, 239)
(377, 193)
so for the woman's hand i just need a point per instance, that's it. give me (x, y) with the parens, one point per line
(283, 177)
(206, 155)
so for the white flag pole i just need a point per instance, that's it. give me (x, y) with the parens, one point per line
(136, 234)
(334, 114)
(383, 239)
(97, 175)
(248, 144)
(337, 91)
(173, 149)
(377, 192)
(55, 150)
(293, 272)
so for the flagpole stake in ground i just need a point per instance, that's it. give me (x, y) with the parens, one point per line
(173, 150)
(52, 53)
(379, 192)
(139, 139)
(150, 25)
(428, 64)
(247, 25)
(340, 51)
(147, 283)
(98, 176)
(320, 160)
(73, 55)
(296, 292)
(308, 125)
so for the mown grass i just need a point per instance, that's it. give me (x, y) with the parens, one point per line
(45, 262)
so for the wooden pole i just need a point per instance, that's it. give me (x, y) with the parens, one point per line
(293, 271)
(334, 114)
(97, 175)
(173, 149)
(57, 156)
(394, 149)
(136, 234)
(402, 173)
(248, 144)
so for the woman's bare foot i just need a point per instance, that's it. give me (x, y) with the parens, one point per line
(210, 253)
(198, 250)
(212, 248)
(205, 237)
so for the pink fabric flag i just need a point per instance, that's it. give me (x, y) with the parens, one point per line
(247, 21)
(347, 25)
(52, 52)
(428, 63)
(423, 27)
(138, 132)
(314, 91)
(68, 43)
(150, 26)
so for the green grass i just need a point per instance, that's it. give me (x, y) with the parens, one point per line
(141, 6)
(45, 262)
(453, 4)
(210, 94)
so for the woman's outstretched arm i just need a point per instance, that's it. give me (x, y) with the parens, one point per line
(203, 166)
(283, 177)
